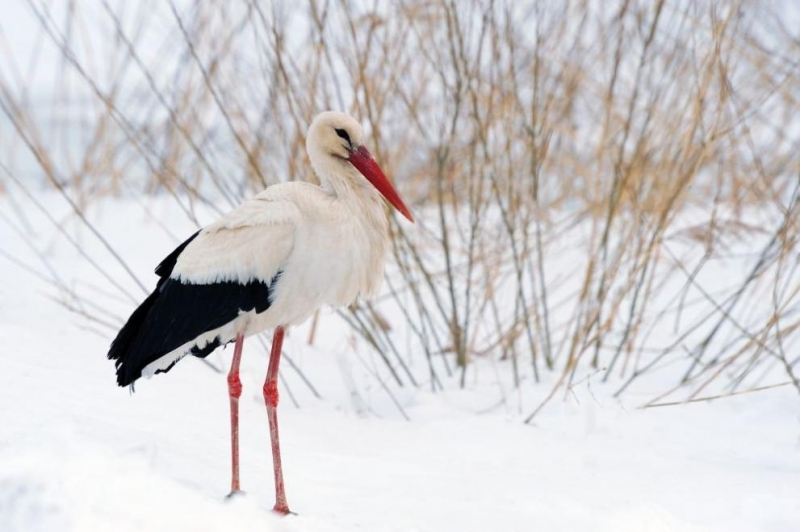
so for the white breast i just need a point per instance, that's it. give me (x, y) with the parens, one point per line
(338, 255)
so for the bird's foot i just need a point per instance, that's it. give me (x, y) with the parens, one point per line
(235, 494)
(282, 509)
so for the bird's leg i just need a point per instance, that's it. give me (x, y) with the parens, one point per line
(234, 392)
(271, 399)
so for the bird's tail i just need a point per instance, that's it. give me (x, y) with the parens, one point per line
(129, 367)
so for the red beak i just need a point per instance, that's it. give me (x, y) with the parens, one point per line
(363, 161)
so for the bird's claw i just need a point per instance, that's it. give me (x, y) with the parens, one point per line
(282, 510)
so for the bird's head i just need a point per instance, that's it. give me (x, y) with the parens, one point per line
(335, 141)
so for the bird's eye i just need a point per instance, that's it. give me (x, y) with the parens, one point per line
(343, 134)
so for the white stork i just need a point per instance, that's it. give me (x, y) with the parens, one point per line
(268, 264)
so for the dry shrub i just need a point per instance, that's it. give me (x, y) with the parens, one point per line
(582, 170)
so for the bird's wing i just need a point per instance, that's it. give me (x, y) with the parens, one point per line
(250, 243)
(227, 268)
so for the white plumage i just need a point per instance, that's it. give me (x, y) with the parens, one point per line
(329, 242)
(327, 256)
(268, 264)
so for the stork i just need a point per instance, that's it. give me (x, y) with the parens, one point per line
(269, 263)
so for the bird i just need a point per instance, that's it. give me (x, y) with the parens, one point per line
(269, 263)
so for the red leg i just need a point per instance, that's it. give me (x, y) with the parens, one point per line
(271, 399)
(234, 392)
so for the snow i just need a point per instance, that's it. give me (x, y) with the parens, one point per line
(77, 453)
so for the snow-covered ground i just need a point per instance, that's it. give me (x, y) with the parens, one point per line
(77, 453)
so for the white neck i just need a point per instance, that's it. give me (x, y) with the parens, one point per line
(341, 180)
(354, 194)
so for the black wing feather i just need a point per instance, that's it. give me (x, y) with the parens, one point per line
(176, 313)
(164, 269)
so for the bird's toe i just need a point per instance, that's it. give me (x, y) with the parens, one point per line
(235, 494)
(282, 509)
